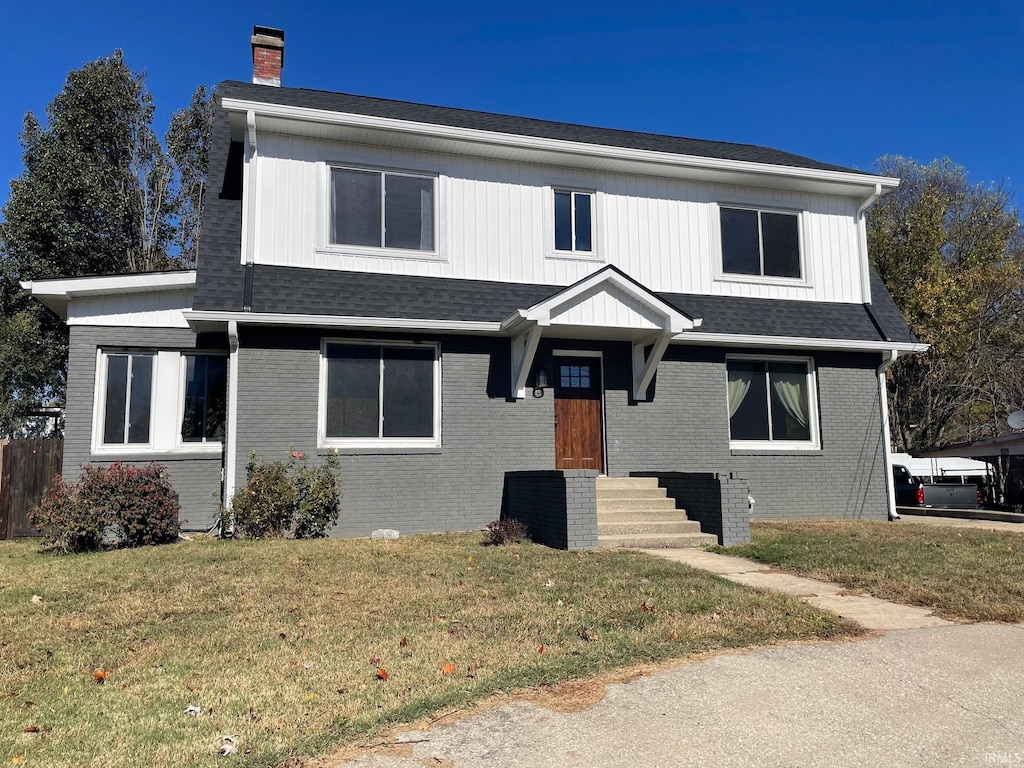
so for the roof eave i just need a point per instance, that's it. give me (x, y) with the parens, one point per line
(559, 146)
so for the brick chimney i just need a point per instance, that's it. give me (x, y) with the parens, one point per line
(267, 55)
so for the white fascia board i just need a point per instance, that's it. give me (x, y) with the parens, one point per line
(67, 287)
(346, 321)
(57, 293)
(793, 342)
(474, 135)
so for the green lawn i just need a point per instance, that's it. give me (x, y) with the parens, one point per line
(961, 573)
(280, 642)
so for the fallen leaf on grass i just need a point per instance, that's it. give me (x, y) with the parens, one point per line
(588, 636)
(382, 674)
(100, 675)
(471, 670)
(448, 669)
(36, 600)
(193, 711)
(374, 661)
(31, 729)
(403, 642)
(543, 649)
(674, 635)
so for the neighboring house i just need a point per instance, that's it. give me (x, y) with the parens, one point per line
(445, 296)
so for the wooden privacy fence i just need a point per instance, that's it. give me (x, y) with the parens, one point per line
(27, 468)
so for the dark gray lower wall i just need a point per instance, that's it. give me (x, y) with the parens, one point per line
(195, 477)
(685, 427)
(456, 487)
(459, 486)
(558, 506)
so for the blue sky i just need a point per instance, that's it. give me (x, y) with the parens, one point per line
(841, 82)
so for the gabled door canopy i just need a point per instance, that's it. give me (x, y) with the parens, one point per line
(606, 304)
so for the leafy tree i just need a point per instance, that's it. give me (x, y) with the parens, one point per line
(951, 254)
(188, 144)
(97, 196)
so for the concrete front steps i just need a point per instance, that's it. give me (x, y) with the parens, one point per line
(635, 512)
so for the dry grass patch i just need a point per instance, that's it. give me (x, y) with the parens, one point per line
(960, 573)
(283, 644)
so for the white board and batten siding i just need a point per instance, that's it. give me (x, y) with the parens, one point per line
(494, 223)
(151, 309)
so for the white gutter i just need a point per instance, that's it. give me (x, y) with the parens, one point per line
(883, 404)
(862, 243)
(789, 342)
(347, 321)
(473, 135)
(231, 438)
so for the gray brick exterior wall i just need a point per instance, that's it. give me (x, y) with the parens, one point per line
(485, 434)
(459, 486)
(685, 427)
(558, 506)
(196, 479)
(455, 487)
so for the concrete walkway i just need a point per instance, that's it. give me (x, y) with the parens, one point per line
(927, 692)
(864, 609)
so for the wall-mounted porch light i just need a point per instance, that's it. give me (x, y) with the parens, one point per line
(541, 383)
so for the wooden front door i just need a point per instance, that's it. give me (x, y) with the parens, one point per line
(578, 443)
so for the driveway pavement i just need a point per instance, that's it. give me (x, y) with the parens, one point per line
(925, 693)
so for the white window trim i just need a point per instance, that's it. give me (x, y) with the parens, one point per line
(99, 411)
(324, 244)
(204, 445)
(814, 444)
(323, 441)
(596, 219)
(719, 273)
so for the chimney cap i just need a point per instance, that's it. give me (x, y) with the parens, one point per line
(268, 37)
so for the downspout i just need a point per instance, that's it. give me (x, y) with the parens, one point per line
(231, 438)
(883, 403)
(862, 242)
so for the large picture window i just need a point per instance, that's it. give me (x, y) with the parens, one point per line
(127, 398)
(771, 402)
(382, 209)
(761, 243)
(205, 398)
(380, 394)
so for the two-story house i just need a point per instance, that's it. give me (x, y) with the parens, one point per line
(445, 297)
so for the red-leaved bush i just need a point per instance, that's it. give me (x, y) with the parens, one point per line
(136, 504)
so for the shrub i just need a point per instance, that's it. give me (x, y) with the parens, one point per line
(142, 505)
(67, 523)
(507, 531)
(285, 498)
(136, 503)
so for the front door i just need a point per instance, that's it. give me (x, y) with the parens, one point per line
(578, 443)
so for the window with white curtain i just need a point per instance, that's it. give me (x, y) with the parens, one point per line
(382, 209)
(772, 402)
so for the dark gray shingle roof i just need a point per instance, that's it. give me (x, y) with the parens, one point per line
(521, 126)
(294, 290)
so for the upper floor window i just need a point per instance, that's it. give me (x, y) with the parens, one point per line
(382, 209)
(574, 221)
(373, 394)
(764, 243)
(771, 403)
(127, 398)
